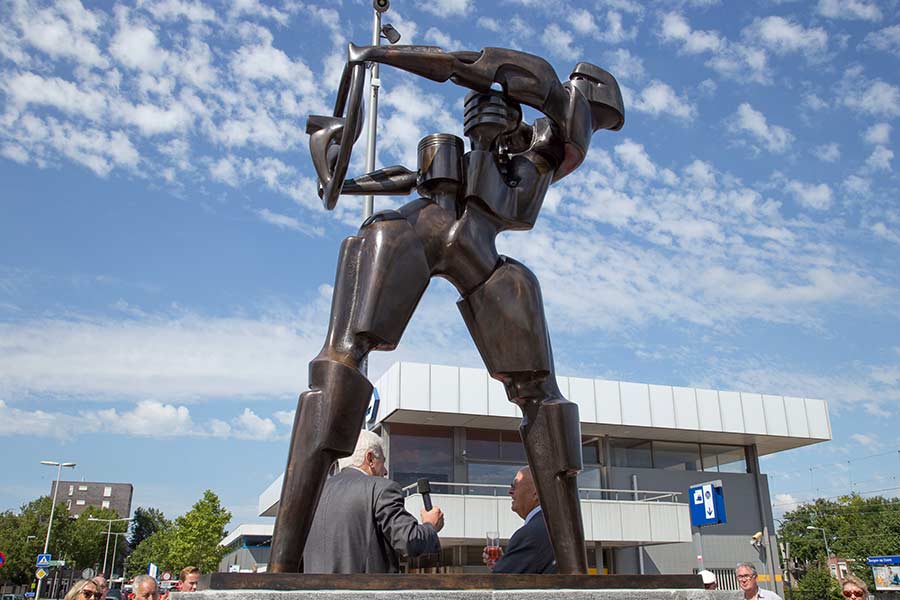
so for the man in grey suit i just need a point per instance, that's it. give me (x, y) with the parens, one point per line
(529, 549)
(361, 525)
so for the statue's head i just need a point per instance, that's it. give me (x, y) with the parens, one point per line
(602, 92)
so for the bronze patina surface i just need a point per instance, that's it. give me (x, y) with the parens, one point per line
(465, 200)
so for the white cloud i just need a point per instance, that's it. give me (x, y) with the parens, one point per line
(147, 418)
(64, 29)
(223, 170)
(782, 36)
(773, 137)
(446, 8)
(887, 39)
(559, 42)
(827, 152)
(817, 196)
(885, 233)
(439, 38)
(849, 9)
(874, 97)
(582, 21)
(813, 102)
(490, 24)
(624, 65)
(286, 222)
(635, 157)
(878, 134)
(675, 28)
(29, 88)
(137, 47)
(880, 159)
(659, 99)
(868, 440)
(172, 10)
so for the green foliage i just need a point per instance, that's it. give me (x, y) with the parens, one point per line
(22, 537)
(818, 584)
(153, 549)
(146, 522)
(855, 527)
(192, 540)
(197, 535)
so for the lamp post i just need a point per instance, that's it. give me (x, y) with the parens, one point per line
(108, 533)
(824, 539)
(59, 466)
(112, 566)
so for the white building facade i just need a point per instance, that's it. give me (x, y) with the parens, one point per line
(643, 446)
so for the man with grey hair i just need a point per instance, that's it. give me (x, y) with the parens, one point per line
(145, 588)
(747, 580)
(361, 525)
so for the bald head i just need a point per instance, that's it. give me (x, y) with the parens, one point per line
(523, 492)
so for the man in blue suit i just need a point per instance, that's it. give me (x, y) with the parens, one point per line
(529, 549)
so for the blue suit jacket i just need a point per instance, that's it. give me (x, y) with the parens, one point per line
(529, 550)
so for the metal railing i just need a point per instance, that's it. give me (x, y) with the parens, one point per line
(495, 489)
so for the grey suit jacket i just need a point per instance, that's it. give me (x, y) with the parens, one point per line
(361, 526)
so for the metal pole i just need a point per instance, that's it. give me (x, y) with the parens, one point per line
(372, 119)
(827, 551)
(106, 552)
(59, 466)
(640, 549)
(112, 565)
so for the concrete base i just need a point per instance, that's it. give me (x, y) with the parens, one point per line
(457, 595)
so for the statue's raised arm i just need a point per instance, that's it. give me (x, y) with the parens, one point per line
(588, 101)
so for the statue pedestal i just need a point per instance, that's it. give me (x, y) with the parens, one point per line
(449, 586)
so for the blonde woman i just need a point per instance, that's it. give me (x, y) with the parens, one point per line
(84, 589)
(854, 588)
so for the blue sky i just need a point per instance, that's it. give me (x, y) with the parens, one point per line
(166, 265)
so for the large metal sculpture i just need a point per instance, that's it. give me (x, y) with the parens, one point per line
(467, 198)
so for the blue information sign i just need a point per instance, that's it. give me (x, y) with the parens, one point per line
(883, 560)
(43, 560)
(707, 502)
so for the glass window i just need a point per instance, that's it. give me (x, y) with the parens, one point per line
(630, 453)
(105, 504)
(724, 459)
(79, 502)
(486, 444)
(494, 473)
(589, 478)
(420, 451)
(71, 489)
(590, 451)
(82, 488)
(107, 491)
(676, 456)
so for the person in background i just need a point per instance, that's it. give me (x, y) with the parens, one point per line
(747, 580)
(145, 588)
(188, 578)
(709, 580)
(84, 589)
(854, 588)
(361, 524)
(101, 583)
(529, 549)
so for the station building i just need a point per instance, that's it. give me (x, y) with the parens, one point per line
(644, 446)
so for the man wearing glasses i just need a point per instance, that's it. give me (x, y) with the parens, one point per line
(746, 576)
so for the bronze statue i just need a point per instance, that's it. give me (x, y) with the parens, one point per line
(467, 198)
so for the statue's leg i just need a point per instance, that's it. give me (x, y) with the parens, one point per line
(382, 273)
(505, 316)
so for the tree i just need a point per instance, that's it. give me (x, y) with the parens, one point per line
(22, 537)
(152, 549)
(855, 528)
(818, 584)
(196, 535)
(146, 522)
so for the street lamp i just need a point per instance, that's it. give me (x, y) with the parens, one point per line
(59, 466)
(824, 539)
(108, 532)
(392, 36)
(112, 566)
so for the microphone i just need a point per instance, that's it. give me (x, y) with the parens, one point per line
(424, 488)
